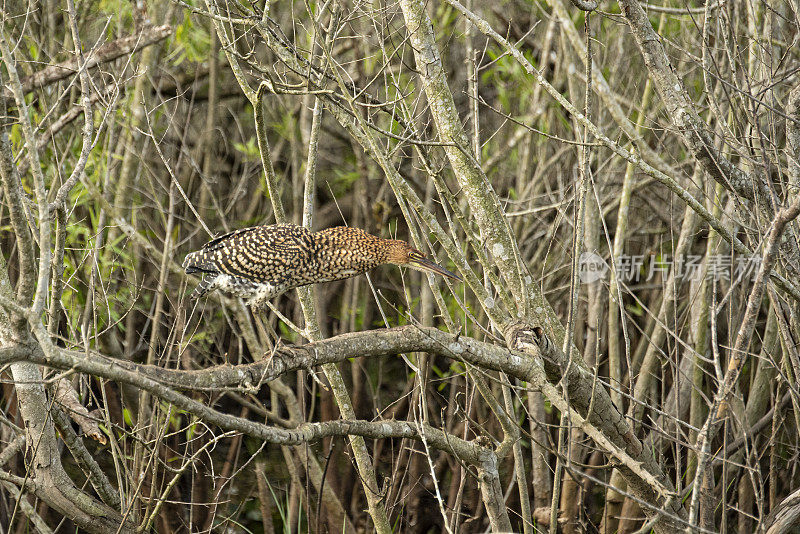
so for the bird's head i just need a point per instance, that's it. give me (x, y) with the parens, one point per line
(403, 254)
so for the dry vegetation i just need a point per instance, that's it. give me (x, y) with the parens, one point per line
(134, 131)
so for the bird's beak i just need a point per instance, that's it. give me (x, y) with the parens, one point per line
(428, 266)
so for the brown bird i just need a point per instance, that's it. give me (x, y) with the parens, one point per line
(262, 262)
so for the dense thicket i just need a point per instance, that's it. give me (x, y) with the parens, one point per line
(640, 204)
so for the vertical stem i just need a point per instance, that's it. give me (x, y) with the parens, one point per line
(204, 146)
(270, 180)
(310, 187)
(472, 86)
(577, 244)
(519, 464)
(144, 414)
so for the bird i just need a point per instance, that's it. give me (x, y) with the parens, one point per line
(262, 262)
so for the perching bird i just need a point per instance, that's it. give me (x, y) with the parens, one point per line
(262, 262)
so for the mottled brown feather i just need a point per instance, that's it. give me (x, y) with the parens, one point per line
(268, 260)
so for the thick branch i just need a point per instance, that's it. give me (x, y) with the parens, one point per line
(372, 343)
(15, 203)
(477, 188)
(100, 366)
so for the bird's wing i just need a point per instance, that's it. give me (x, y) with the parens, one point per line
(272, 254)
(214, 243)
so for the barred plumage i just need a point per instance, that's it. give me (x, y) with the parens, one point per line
(262, 262)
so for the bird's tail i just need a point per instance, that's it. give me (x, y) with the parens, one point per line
(198, 262)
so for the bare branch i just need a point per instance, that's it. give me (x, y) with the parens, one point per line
(103, 54)
(681, 110)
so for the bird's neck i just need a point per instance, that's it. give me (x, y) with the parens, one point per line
(346, 251)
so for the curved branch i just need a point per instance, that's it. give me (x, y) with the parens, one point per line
(306, 432)
(371, 343)
(590, 404)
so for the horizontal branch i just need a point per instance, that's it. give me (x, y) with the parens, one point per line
(104, 367)
(105, 53)
(371, 343)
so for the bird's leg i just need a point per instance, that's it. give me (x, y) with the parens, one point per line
(205, 285)
(278, 341)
